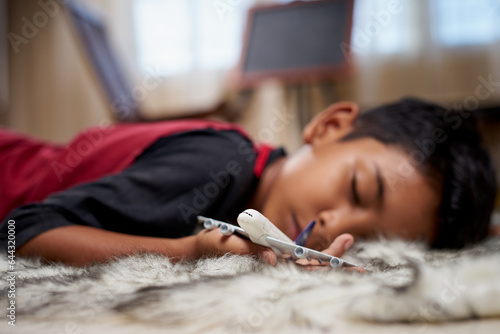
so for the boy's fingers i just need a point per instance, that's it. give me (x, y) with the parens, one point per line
(337, 248)
(218, 244)
(358, 269)
(237, 245)
(340, 245)
(269, 256)
(242, 247)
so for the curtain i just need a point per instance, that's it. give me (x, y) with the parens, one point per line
(435, 49)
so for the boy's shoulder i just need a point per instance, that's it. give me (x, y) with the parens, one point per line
(216, 149)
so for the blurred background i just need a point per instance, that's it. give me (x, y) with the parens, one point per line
(151, 60)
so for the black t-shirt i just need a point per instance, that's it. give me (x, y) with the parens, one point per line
(202, 172)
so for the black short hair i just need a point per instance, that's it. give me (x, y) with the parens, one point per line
(445, 146)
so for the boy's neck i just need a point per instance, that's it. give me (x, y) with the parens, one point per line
(265, 184)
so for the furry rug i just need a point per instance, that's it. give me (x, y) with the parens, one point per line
(410, 286)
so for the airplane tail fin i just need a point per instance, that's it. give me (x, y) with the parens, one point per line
(304, 235)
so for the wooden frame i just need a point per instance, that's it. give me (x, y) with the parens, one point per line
(91, 35)
(295, 76)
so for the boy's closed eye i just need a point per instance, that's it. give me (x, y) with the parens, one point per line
(354, 191)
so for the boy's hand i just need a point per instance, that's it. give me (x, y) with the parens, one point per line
(214, 243)
(494, 230)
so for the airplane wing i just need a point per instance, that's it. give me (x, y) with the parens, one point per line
(300, 252)
(225, 228)
(259, 230)
(228, 229)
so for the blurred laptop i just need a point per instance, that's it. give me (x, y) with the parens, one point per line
(296, 42)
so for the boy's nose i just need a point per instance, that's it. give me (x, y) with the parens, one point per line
(326, 218)
(325, 230)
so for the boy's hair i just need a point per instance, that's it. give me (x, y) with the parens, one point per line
(445, 146)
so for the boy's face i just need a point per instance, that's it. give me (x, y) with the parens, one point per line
(362, 187)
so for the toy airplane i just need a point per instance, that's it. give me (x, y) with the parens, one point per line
(261, 231)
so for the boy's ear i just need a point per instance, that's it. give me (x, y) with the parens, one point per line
(332, 123)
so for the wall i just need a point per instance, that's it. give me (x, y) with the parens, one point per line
(52, 93)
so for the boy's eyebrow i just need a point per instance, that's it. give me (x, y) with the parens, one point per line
(380, 186)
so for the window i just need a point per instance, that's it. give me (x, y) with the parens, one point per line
(466, 22)
(453, 23)
(382, 26)
(180, 36)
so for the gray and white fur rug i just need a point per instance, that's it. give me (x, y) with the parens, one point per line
(409, 286)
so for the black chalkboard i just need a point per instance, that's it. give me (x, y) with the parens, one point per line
(296, 37)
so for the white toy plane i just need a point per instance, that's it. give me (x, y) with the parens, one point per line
(261, 231)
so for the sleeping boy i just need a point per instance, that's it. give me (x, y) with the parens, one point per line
(410, 170)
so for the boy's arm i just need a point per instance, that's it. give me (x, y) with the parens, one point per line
(160, 195)
(83, 245)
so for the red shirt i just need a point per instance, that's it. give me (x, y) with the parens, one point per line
(31, 170)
